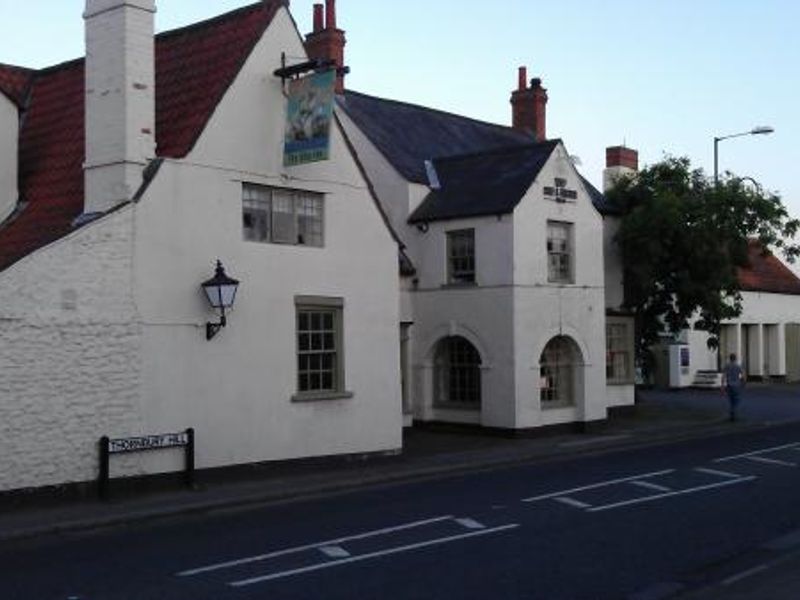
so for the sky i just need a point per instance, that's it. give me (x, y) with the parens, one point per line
(663, 77)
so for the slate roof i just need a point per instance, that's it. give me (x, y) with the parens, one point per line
(767, 273)
(408, 134)
(601, 203)
(195, 66)
(483, 183)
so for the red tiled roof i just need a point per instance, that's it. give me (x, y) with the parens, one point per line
(195, 66)
(766, 273)
(14, 82)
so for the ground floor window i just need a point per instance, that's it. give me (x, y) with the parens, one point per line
(619, 350)
(557, 370)
(457, 374)
(320, 356)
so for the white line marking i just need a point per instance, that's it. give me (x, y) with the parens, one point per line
(260, 557)
(352, 559)
(771, 461)
(745, 574)
(470, 524)
(334, 551)
(756, 452)
(596, 485)
(717, 472)
(651, 486)
(701, 488)
(572, 502)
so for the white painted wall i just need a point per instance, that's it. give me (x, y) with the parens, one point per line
(543, 310)
(9, 137)
(236, 390)
(70, 357)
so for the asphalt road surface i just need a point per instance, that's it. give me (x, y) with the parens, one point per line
(631, 524)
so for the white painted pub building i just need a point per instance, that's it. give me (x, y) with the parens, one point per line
(433, 268)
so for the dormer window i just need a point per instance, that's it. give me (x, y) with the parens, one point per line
(559, 191)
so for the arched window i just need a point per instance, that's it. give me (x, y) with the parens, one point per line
(457, 377)
(557, 372)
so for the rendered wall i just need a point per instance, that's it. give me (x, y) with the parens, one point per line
(9, 135)
(70, 357)
(236, 390)
(543, 310)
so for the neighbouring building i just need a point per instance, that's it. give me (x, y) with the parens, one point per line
(503, 318)
(765, 337)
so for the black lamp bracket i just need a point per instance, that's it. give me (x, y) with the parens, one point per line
(213, 328)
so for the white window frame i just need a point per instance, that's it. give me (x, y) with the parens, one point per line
(274, 215)
(319, 337)
(559, 248)
(619, 351)
(457, 240)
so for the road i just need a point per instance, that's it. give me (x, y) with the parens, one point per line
(631, 524)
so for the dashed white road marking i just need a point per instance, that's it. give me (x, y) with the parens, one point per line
(296, 549)
(597, 485)
(334, 551)
(771, 461)
(651, 486)
(379, 553)
(745, 574)
(571, 502)
(470, 524)
(654, 497)
(717, 472)
(756, 452)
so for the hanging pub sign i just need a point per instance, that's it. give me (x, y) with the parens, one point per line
(308, 119)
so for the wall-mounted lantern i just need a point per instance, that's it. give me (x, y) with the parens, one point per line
(221, 292)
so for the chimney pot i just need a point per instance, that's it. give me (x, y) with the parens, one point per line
(330, 14)
(523, 78)
(319, 23)
(326, 42)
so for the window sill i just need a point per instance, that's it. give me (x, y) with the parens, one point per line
(619, 382)
(457, 406)
(321, 396)
(557, 405)
(459, 284)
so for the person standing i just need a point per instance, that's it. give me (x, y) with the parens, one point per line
(732, 383)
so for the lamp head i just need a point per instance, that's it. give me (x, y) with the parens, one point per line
(761, 129)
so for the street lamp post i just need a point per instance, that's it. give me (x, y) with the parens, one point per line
(754, 131)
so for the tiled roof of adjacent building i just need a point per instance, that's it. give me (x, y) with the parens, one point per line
(766, 273)
(195, 66)
(484, 183)
(408, 134)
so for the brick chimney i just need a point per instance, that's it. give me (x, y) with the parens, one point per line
(620, 162)
(326, 41)
(529, 106)
(120, 99)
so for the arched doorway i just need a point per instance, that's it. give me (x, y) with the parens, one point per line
(559, 371)
(457, 374)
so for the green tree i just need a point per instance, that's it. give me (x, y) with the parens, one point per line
(682, 240)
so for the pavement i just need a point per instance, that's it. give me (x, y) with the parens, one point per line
(661, 417)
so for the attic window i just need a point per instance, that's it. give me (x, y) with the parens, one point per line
(559, 191)
(282, 216)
